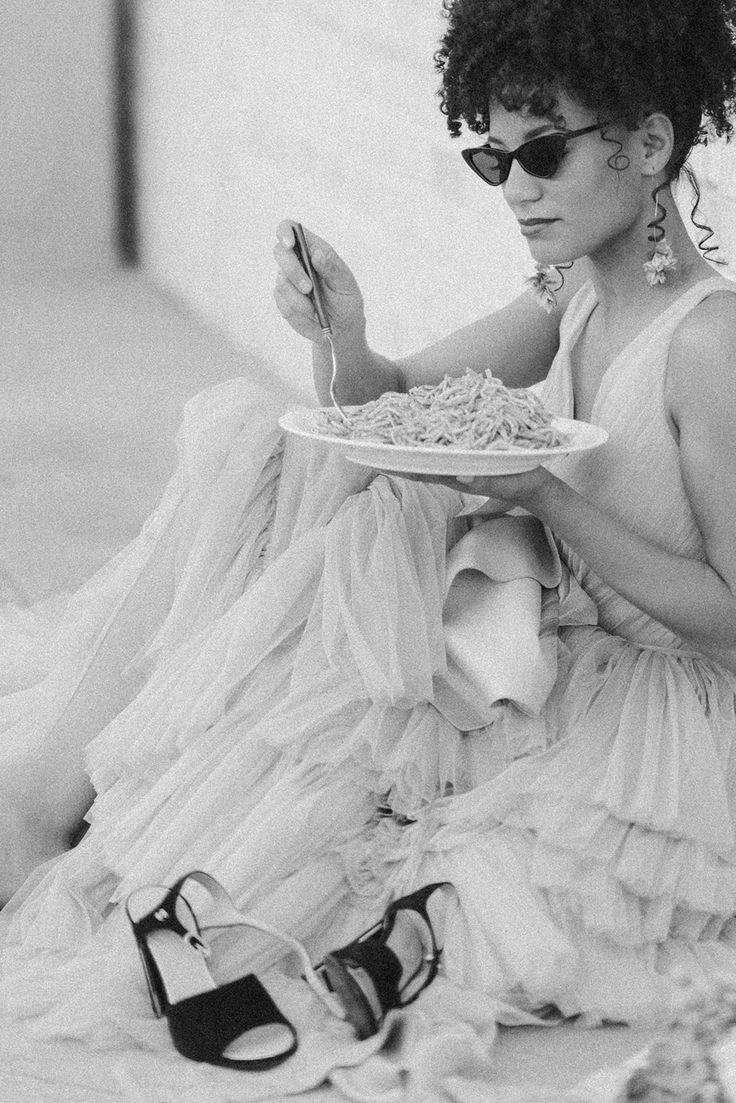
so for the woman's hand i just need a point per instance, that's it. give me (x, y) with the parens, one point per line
(362, 374)
(342, 297)
(527, 489)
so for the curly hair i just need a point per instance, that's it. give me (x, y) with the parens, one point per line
(622, 59)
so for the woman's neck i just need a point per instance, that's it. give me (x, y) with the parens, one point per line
(617, 268)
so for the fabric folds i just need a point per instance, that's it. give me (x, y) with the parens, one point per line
(312, 681)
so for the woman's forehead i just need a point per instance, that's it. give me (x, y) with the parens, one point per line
(566, 114)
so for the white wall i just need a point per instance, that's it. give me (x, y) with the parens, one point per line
(256, 110)
(56, 137)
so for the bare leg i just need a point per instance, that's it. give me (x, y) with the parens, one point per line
(44, 788)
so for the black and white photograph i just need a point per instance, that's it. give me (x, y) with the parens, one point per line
(368, 551)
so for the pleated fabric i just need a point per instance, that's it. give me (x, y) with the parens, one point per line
(279, 628)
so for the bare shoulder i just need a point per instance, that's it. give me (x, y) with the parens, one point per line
(702, 360)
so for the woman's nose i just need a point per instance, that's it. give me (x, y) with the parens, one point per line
(520, 187)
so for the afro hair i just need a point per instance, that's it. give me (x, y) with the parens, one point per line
(622, 59)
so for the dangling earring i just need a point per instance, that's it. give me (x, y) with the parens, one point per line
(662, 259)
(544, 285)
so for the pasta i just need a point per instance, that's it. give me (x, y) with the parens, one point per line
(472, 411)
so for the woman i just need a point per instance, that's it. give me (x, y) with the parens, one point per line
(280, 621)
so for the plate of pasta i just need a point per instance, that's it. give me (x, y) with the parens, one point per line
(468, 424)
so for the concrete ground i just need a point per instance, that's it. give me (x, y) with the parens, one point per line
(95, 370)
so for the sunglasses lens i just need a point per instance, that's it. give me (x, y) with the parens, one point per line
(492, 164)
(543, 156)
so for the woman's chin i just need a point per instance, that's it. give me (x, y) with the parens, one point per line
(550, 258)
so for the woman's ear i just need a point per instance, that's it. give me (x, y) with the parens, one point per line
(656, 142)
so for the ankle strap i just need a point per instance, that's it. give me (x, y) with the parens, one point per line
(225, 914)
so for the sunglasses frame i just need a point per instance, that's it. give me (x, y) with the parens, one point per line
(517, 154)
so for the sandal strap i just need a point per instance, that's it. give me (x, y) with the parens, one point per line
(223, 905)
(382, 966)
(164, 918)
(203, 1026)
(223, 913)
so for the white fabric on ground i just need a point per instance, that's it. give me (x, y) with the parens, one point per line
(280, 626)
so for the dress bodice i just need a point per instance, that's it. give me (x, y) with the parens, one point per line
(636, 475)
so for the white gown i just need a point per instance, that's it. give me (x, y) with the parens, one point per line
(279, 625)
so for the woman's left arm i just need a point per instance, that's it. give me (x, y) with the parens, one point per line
(695, 599)
(700, 396)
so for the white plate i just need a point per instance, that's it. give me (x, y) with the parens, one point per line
(441, 460)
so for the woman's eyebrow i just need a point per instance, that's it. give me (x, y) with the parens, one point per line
(533, 133)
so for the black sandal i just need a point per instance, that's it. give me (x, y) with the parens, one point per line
(206, 1020)
(367, 1004)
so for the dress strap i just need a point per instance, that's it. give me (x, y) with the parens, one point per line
(556, 390)
(577, 312)
(697, 293)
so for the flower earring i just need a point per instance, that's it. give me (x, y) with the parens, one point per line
(543, 285)
(662, 259)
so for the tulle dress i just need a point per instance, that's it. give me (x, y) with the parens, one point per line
(278, 625)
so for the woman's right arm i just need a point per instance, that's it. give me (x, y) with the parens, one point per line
(517, 343)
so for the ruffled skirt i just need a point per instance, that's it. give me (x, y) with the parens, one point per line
(279, 622)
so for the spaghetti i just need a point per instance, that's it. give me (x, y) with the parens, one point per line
(472, 411)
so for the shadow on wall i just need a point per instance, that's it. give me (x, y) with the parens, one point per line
(56, 171)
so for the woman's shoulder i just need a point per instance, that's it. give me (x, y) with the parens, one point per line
(702, 354)
(709, 325)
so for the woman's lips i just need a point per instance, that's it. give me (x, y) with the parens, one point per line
(531, 226)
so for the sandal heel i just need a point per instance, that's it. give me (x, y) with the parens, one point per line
(154, 993)
(144, 902)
